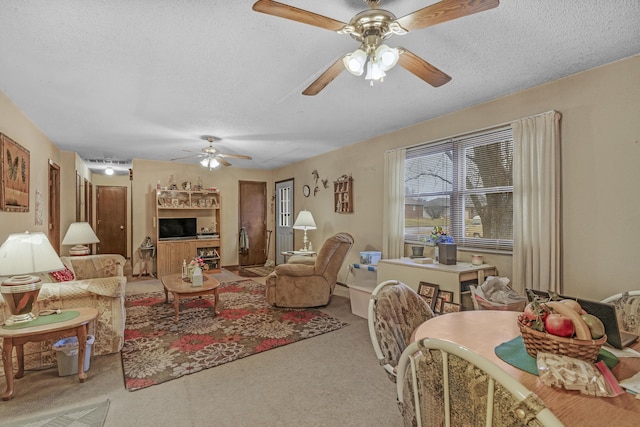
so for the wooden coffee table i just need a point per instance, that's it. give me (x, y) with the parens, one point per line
(18, 337)
(181, 289)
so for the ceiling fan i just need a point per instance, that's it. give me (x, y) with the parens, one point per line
(370, 28)
(212, 158)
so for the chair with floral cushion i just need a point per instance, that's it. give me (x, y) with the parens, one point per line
(627, 306)
(441, 383)
(395, 311)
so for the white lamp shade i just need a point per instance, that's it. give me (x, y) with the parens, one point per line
(210, 163)
(387, 57)
(304, 221)
(26, 253)
(80, 233)
(354, 62)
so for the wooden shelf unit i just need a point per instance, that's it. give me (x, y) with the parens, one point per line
(205, 207)
(343, 195)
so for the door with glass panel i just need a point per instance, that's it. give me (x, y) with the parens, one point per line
(284, 219)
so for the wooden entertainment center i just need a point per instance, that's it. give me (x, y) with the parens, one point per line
(184, 206)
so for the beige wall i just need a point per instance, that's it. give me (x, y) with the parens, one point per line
(146, 174)
(600, 149)
(18, 127)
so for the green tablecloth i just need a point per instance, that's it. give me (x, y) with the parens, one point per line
(514, 353)
(46, 320)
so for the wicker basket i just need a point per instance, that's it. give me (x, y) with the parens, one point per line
(536, 341)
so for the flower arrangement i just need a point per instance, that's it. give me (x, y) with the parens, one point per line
(438, 235)
(199, 262)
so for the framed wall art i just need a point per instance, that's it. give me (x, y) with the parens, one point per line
(450, 307)
(443, 296)
(429, 292)
(16, 165)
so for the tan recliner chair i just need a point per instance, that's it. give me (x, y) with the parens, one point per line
(300, 285)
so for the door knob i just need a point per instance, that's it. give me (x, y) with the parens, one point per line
(122, 227)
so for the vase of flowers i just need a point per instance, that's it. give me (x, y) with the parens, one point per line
(437, 236)
(196, 262)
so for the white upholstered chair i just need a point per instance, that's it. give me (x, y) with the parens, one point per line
(441, 383)
(395, 311)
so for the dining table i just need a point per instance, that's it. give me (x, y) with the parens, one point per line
(483, 330)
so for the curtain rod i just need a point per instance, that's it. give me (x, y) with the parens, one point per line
(488, 128)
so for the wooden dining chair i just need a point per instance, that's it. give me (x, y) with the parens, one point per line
(443, 383)
(627, 306)
(395, 311)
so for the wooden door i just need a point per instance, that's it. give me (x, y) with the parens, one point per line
(54, 206)
(284, 219)
(111, 214)
(253, 217)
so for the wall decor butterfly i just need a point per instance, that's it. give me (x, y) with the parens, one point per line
(14, 192)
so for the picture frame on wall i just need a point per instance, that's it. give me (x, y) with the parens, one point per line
(16, 169)
(429, 292)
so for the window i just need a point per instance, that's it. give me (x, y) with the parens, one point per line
(284, 219)
(464, 185)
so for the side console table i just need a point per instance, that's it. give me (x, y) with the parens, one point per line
(17, 336)
(448, 277)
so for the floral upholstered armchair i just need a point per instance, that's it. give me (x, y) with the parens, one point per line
(96, 281)
(303, 285)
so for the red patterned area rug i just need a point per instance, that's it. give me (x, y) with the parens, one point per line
(157, 350)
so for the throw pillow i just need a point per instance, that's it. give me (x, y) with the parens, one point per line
(65, 275)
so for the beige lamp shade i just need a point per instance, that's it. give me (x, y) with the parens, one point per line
(305, 222)
(80, 234)
(20, 255)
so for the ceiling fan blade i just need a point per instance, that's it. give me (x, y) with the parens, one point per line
(234, 156)
(222, 161)
(325, 78)
(187, 157)
(421, 68)
(289, 12)
(443, 11)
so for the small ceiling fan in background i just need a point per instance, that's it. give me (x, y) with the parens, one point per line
(212, 158)
(370, 28)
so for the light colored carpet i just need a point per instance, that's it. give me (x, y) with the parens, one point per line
(331, 380)
(85, 416)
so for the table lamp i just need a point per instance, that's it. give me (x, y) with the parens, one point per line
(305, 222)
(81, 235)
(21, 255)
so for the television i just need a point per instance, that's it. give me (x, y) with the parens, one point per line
(177, 228)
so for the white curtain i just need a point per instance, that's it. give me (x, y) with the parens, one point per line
(537, 203)
(393, 204)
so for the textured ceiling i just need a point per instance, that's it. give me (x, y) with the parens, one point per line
(125, 79)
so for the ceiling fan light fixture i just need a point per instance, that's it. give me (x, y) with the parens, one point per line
(108, 171)
(387, 57)
(374, 71)
(355, 62)
(210, 163)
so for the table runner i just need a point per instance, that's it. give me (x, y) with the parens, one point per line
(46, 320)
(514, 353)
